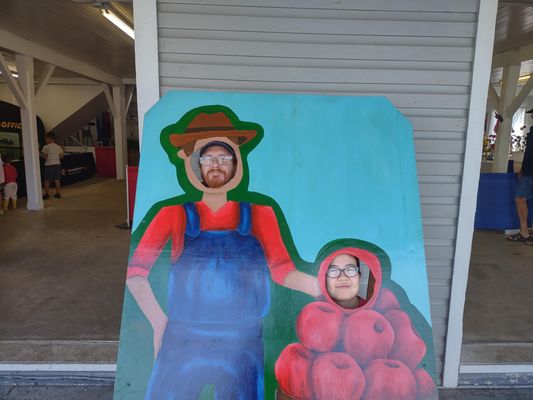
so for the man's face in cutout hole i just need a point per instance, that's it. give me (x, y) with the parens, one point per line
(217, 166)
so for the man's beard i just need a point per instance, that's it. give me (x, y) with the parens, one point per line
(215, 182)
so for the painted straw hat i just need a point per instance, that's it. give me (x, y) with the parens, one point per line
(204, 126)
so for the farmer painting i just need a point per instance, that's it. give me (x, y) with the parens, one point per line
(223, 254)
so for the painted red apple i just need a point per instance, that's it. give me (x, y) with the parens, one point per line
(319, 326)
(293, 371)
(386, 301)
(367, 335)
(337, 376)
(408, 345)
(389, 380)
(426, 388)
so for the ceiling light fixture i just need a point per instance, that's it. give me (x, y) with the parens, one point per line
(118, 22)
(14, 74)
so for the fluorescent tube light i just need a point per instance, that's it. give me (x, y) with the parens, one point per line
(14, 74)
(118, 22)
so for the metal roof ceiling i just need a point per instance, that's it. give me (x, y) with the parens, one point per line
(73, 28)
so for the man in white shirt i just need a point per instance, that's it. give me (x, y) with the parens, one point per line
(53, 153)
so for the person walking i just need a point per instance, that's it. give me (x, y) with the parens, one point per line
(53, 153)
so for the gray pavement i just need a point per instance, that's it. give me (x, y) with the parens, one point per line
(105, 392)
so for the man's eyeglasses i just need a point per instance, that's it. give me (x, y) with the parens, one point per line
(221, 160)
(350, 272)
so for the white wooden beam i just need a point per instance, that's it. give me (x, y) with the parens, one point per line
(467, 205)
(129, 97)
(44, 78)
(520, 97)
(503, 138)
(110, 101)
(146, 57)
(20, 45)
(11, 82)
(512, 57)
(494, 99)
(29, 133)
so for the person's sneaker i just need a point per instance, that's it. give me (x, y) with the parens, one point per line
(57, 196)
(529, 240)
(45, 197)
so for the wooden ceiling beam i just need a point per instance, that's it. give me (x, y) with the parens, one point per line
(20, 45)
(513, 57)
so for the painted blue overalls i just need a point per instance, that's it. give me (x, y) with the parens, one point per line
(218, 294)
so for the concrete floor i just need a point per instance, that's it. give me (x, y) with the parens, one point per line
(498, 318)
(62, 276)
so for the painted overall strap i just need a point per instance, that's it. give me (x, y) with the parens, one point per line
(193, 220)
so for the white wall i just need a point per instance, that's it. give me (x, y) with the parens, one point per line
(56, 102)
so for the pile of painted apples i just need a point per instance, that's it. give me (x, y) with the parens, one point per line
(369, 354)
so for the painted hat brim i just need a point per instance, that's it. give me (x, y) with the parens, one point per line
(181, 139)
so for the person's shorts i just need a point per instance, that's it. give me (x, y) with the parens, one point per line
(10, 190)
(1, 188)
(52, 172)
(524, 187)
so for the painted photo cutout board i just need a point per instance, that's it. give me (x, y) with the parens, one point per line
(277, 253)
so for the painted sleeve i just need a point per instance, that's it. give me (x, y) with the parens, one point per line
(168, 224)
(266, 229)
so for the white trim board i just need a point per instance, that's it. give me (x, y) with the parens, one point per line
(42, 367)
(495, 368)
(467, 206)
(146, 58)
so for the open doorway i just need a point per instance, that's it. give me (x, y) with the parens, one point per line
(497, 335)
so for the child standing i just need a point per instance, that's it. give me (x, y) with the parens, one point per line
(10, 184)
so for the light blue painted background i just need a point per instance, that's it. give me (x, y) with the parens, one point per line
(339, 167)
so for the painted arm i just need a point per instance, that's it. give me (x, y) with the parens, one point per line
(142, 292)
(169, 223)
(282, 269)
(303, 282)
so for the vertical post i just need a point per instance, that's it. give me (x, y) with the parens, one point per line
(146, 57)
(467, 205)
(503, 138)
(128, 222)
(120, 129)
(29, 133)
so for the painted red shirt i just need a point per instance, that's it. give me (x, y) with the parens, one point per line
(170, 222)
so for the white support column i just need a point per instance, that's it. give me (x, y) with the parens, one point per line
(467, 208)
(119, 121)
(29, 133)
(503, 137)
(146, 57)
